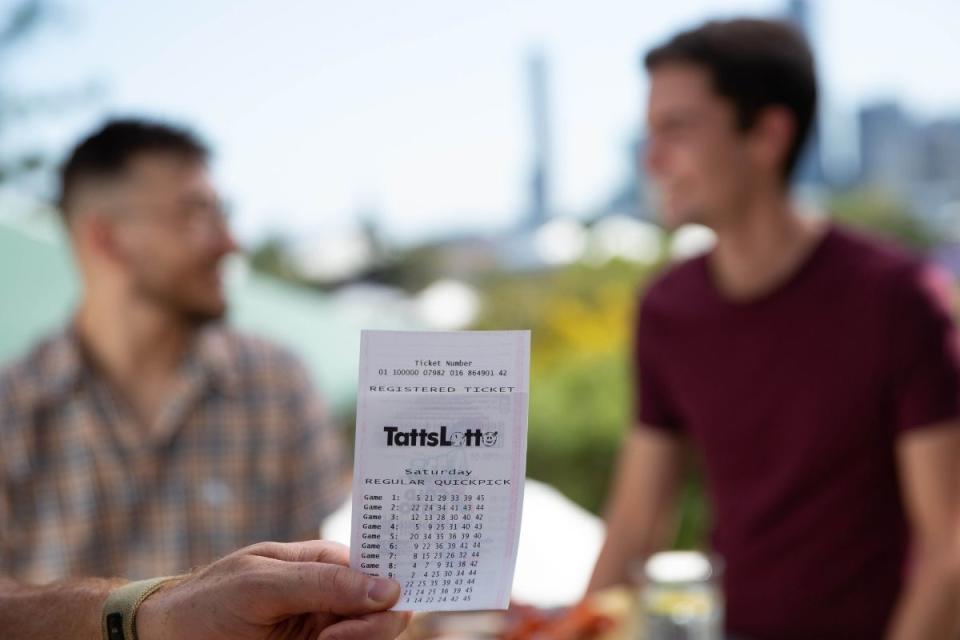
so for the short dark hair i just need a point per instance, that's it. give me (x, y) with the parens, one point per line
(107, 152)
(755, 64)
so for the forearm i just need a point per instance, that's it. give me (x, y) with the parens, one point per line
(613, 566)
(928, 605)
(928, 458)
(60, 610)
(639, 514)
(623, 550)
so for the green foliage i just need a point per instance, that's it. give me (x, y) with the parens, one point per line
(580, 387)
(578, 415)
(883, 214)
(580, 318)
(272, 257)
(575, 312)
(693, 520)
(19, 22)
(410, 269)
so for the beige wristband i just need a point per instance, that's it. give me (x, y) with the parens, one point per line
(120, 609)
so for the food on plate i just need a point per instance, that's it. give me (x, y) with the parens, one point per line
(582, 622)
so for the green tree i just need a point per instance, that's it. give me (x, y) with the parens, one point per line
(882, 213)
(581, 393)
(19, 22)
(272, 257)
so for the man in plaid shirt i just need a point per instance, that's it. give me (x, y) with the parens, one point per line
(146, 438)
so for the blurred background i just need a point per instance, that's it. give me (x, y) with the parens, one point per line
(453, 165)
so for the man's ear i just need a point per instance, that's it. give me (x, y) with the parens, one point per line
(771, 136)
(100, 236)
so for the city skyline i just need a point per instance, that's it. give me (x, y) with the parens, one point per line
(321, 113)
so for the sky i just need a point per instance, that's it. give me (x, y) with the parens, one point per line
(417, 113)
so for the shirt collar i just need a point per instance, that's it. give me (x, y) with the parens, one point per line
(211, 353)
(61, 365)
(64, 364)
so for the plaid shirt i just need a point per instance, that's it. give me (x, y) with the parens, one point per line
(242, 452)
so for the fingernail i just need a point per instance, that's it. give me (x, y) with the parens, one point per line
(381, 590)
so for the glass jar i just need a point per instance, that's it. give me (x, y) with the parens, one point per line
(681, 597)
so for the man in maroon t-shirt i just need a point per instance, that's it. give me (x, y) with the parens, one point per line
(814, 371)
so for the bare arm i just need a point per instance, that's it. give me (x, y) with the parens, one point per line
(296, 591)
(929, 462)
(640, 507)
(60, 610)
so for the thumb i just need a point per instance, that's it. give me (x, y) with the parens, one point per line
(317, 587)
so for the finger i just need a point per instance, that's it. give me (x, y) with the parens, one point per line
(386, 625)
(315, 587)
(307, 551)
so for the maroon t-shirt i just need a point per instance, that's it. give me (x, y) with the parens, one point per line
(795, 402)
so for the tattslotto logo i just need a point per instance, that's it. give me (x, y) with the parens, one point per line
(415, 437)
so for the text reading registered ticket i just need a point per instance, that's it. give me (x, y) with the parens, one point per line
(440, 461)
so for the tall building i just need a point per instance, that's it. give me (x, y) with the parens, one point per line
(942, 161)
(630, 198)
(539, 211)
(889, 150)
(918, 162)
(810, 168)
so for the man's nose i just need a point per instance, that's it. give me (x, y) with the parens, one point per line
(653, 158)
(227, 243)
(219, 238)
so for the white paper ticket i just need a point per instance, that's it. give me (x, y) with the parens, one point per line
(440, 462)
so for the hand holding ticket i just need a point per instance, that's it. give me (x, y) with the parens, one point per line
(440, 463)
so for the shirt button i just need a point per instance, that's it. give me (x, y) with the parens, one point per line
(216, 493)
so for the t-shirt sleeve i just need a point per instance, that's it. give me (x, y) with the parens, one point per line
(927, 351)
(653, 400)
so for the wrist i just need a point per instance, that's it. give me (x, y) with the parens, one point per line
(126, 607)
(152, 620)
(149, 621)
